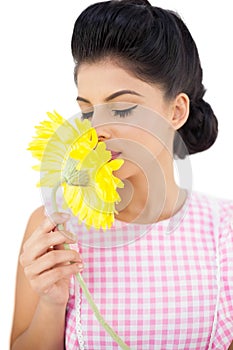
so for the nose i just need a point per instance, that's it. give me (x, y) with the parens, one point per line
(100, 121)
(103, 132)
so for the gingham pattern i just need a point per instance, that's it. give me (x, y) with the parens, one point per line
(163, 291)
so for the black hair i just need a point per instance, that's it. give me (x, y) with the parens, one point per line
(156, 46)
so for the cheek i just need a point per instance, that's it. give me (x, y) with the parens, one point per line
(138, 144)
(142, 144)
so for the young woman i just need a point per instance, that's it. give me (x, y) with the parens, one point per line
(161, 291)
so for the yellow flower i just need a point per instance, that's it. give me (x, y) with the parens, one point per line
(71, 156)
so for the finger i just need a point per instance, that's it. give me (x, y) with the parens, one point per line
(69, 235)
(45, 281)
(46, 226)
(51, 221)
(35, 248)
(71, 239)
(51, 260)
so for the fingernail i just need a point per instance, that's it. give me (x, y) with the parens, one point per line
(69, 235)
(80, 266)
(65, 215)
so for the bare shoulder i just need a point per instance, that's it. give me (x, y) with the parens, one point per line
(25, 299)
(35, 219)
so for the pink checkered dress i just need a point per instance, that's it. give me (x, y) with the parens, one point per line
(166, 289)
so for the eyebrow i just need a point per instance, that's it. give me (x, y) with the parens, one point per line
(112, 96)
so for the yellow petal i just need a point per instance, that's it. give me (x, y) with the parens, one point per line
(57, 141)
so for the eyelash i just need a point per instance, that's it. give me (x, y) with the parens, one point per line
(121, 113)
(86, 115)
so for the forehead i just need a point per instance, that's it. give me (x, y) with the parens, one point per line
(105, 77)
(104, 70)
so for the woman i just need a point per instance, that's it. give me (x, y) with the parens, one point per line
(161, 291)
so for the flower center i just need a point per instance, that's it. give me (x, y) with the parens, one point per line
(74, 177)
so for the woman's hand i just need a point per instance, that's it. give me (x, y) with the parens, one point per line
(46, 263)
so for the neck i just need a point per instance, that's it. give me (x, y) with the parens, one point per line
(150, 196)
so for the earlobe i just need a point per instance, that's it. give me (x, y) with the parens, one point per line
(181, 110)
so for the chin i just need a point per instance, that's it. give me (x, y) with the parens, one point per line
(127, 171)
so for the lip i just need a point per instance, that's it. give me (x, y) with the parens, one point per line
(114, 154)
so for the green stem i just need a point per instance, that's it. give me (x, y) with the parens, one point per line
(85, 290)
(54, 201)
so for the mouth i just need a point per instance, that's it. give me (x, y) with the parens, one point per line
(114, 154)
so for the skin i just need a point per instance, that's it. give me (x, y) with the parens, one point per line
(44, 269)
(175, 111)
(42, 286)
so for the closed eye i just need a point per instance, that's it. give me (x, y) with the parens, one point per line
(87, 115)
(124, 112)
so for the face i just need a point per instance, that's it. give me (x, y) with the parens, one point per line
(130, 116)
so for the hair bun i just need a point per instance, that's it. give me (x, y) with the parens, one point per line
(200, 131)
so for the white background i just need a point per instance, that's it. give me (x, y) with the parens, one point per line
(36, 75)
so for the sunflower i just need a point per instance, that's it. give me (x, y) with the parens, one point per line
(71, 156)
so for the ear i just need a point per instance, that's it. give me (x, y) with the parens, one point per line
(180, 110)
